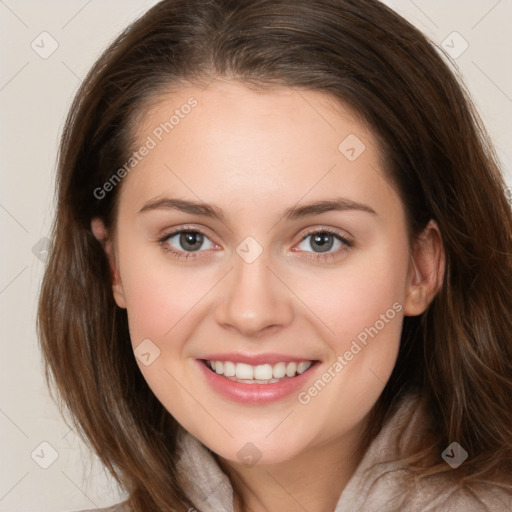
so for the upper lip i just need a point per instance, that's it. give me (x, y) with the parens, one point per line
(255, 359)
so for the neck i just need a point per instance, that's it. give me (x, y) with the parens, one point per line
(313, 480)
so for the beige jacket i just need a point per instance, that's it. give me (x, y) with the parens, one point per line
(377, 485)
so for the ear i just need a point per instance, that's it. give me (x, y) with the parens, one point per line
(426, 270)
(101, 234)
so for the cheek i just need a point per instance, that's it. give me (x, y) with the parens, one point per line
(353, 298)
(364, 351)
(163, 306)
(159, 295)
(362, 306)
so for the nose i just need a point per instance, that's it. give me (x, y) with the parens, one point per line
(255, 299)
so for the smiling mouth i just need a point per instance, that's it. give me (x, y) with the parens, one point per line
(258, 374)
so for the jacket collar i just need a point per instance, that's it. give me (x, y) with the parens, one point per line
(209, 488)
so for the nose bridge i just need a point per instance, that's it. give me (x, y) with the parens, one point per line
(254, 298)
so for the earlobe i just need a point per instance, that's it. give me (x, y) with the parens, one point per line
(99, 230)
(101, 234)
(426, 270)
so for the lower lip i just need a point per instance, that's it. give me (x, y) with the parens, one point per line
(255, 393)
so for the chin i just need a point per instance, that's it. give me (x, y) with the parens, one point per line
(256, 451)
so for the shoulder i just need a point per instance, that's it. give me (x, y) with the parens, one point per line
(384, 475)
(474, 497)
(397, 492)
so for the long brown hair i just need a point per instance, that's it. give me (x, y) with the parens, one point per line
(437, 154)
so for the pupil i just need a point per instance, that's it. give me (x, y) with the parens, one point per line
(193, 240)
(324, 241)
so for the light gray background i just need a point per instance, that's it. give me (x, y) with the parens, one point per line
(35, 93)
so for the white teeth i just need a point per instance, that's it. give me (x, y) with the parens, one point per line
(261, 372)
(279, 370)
(303, 366)
(229, 369)
(244, 371)
(291, 368)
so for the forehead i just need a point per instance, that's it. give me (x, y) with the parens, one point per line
(231, 141)
(236, 110)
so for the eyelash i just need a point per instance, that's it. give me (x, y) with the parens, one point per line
(184, 255)
(347, 244)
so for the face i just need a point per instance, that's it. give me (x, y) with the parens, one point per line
(260, 231)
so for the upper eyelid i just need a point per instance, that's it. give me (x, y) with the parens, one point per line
(181, 229)
(332, 231)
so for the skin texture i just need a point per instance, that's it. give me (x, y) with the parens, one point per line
(253, 154)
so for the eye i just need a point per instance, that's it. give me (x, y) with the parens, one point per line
(183, 243)
(322, 242)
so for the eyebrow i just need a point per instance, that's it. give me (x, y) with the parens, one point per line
(293, 213)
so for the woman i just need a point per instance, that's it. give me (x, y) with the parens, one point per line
(281, 273)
